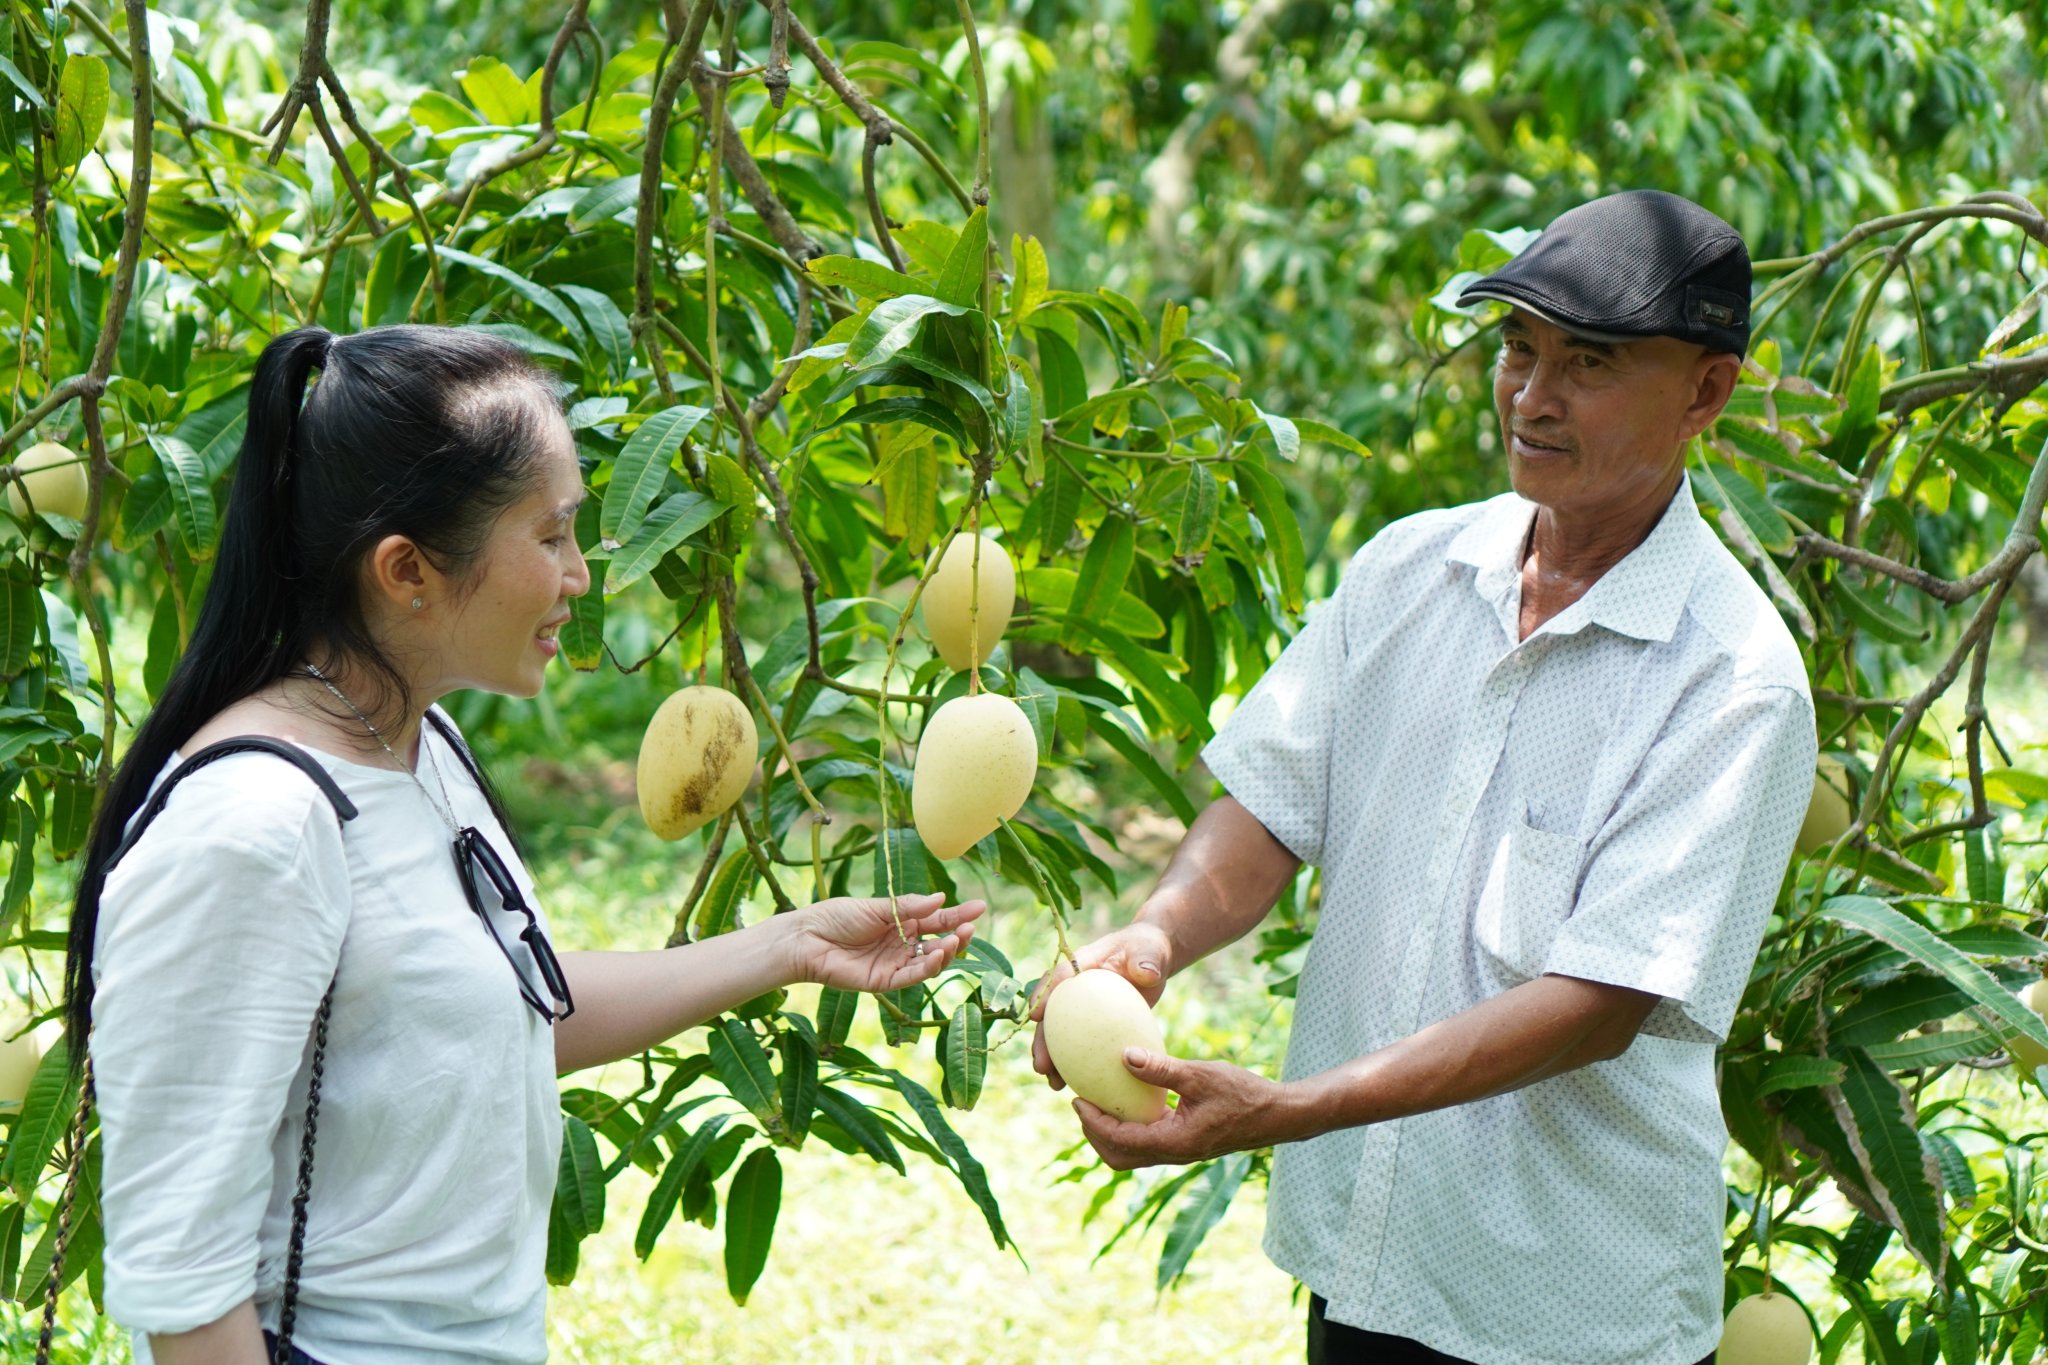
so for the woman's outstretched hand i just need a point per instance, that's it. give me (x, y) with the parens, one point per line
(854, 943)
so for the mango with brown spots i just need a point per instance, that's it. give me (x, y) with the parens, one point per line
(695, 760)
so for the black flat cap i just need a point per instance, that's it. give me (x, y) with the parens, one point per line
(1640, 263)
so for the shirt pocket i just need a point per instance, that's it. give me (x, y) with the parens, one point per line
(1527, 897)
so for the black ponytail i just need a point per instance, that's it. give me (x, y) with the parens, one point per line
(425, 432)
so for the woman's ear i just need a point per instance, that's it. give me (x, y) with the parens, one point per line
(400, 576)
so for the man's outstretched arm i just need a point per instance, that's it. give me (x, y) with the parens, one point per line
(1540, 1029)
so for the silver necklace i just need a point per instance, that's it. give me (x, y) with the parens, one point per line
(446, 810)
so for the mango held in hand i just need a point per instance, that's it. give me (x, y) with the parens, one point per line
(976, 761)
(1090, 1018)
(950, 595)
(56, 481)
(1828, 813)
(695, 760)
(1765, 1329)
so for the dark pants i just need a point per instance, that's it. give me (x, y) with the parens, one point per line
(1332, 1343)
(298, 1357)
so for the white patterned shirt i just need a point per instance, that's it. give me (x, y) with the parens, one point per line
(1614, 798)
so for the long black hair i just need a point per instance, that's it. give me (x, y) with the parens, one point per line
(425, 432)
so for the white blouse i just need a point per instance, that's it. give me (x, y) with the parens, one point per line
(439, 1125)
(1613, 798)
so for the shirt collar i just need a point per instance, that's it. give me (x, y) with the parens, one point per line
(1642, 596)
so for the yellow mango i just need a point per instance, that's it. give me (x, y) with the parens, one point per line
(56, 481)
(1829, 812)
(1765, 1329)
(976, 761)
(695, 759)
(1090, 1018)
(948, 594)
(19, 1058)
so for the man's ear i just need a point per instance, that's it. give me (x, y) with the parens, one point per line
(1714, 377)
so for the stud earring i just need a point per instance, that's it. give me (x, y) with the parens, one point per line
(418, 602)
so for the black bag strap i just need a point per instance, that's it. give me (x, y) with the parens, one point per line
(345, 809)
(240, 744)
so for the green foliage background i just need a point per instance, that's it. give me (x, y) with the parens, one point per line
(1210, 271)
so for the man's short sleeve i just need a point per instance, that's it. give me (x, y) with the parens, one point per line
(1680, 879)
(1273, 754)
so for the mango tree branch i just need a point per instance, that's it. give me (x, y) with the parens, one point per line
(778, 497)
(2020, 542)
(880, 125)
(686, 39)
(400, 182)
(679, 934)
(980, 100)
(747, 173)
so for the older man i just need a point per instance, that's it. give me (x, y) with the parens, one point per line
(1550, 752)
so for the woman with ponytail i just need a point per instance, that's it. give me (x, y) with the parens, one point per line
(401, 526)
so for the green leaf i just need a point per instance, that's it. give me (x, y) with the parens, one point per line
(913, 408)
(966, 1054)
(1104, 571)
(1880, 921)
(855, 1120)
(742, 1068)
(497, 92)
(1780, 451)
(1268, 501)
(603, 201)
(868, 279)
(540, 296)
(641, 469)
(1147, 671)
(1032, 277)
(1879, 1122)
(1134, 753)
(892, 326)
(1794, 1071)
(966, 263)
(1286, 435)
(21, 617)
(668, 526)
(661, 1205)
(834, 1016)
(1888, 1010)
(752, 1205)
(973, 1178)
(525, 338)
(22, 83)
(1191, 512)
(1934, 1049)
(1733, 493)
(1061, 373)
(910, 498)
(1874, 614)
(46, 1112)
(718, 912)
(191, 493)
(1959, 1330)
(1857, 426)
(1201, 1208)
(608, 326)
(583, 634)
(1322, 431)
(579, 1180)
(82, 94)
(1050, 593)
(798, 1083)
